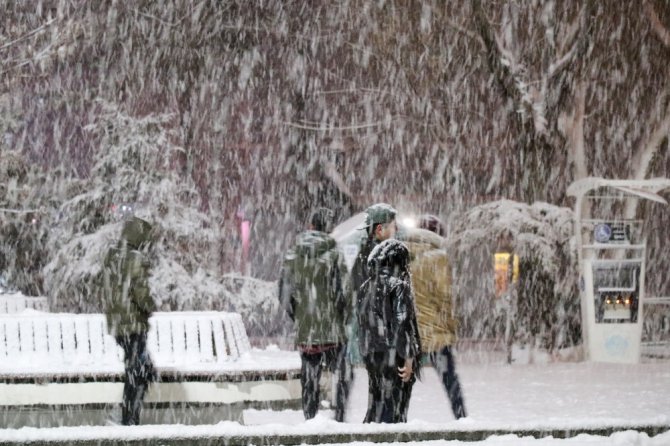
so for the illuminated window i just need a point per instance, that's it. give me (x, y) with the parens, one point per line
(501, 265)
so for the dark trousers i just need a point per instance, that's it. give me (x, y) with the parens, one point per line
(138, 374)
(444, 364)
(335, 360)
(388, 395)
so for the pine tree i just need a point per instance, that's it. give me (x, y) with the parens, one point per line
(133, 168)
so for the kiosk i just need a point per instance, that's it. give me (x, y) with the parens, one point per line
(611, 254)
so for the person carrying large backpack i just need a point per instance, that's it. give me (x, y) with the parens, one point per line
(431, 279)
(313, 289)
(128, 306)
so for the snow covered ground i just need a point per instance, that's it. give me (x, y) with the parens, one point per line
(557, 395)
(498, 396)
(564, 395)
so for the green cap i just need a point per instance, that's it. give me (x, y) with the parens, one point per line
(379, 213)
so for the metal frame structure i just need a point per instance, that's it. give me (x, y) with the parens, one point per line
(612, 264)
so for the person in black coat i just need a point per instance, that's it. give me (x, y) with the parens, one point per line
(388, 337)
(379, 225)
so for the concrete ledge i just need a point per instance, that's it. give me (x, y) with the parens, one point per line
(133, 436)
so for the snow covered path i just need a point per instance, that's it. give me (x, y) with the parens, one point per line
(564, 395)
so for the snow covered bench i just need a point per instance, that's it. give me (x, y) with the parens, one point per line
(17, 302)
(51, 362)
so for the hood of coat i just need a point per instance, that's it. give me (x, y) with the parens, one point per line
(418, 235)
(390, 254)
(136, 232)
(420, 241)
(313, 244)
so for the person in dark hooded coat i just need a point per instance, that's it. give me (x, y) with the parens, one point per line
(128, 306)
(313, 289)
(379, 225)
(388, 333)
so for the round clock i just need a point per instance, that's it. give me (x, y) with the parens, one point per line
(602, 233)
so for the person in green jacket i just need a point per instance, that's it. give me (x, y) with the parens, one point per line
(313, 289)
(128, 305)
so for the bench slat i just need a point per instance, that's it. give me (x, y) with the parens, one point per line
(219, 341)
(41, 339)
(230, 337)
(97, 339)
(54, 338)
(192, 344)
(206, 346)
(68, 337)
(178, 340)
(3, 343)
(243, 344)
(164, 339)
(82, 341)
(152, 337)
(26, 337)
(12, 336)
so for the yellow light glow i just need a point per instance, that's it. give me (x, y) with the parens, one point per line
(501, 261)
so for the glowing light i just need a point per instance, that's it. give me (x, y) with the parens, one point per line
(409, 222)
(501, 265)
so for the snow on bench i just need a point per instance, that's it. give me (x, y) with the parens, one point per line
(197, 341)
(17, 302)
(202, 358)
(63, 344)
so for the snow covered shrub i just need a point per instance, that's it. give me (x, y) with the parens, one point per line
(24, 218)
(257, 302)
(542, 308)
(545, 318)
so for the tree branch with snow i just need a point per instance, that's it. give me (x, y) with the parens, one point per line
(502, 62)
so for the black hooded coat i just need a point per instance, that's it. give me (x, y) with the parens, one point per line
(385, 303)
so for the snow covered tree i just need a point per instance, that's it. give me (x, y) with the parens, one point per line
(133, 168)
(544, 304)
(412, 90)
(25, 209)
(24, 222)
